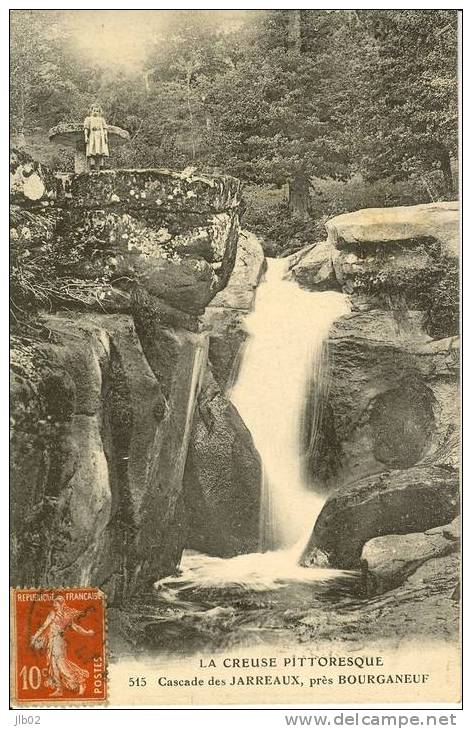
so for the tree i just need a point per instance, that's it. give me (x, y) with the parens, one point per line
(405, 84)
(279, 113)
(48, 82)
(187, 55)
(289, 96)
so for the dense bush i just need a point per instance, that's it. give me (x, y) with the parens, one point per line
(417, 280)
(440, 298)
(267, 214)
(43, 265)
(279, 232)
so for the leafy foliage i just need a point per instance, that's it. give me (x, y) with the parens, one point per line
(280, 233)
(404, 78)
(439, 296)
(344, 108)
(290, 93)
(43, 265)
(268, 216)
(419, 278)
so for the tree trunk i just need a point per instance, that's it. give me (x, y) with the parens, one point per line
(295, 30)
(299, 195)
(190, 112)
(445, 162)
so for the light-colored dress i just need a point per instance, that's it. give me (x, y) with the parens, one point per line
(97, 143)
(62, 672)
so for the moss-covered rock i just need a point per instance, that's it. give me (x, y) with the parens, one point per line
(31, 183)
(114, 232)
(182, 265)
(154, 190)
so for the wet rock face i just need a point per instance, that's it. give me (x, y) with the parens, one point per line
(227, 311)
(223, 470)
(388, 561)
(313, 267)
(391, 399)
(402, 421)
(103, 432)
(103, 406)
(390, 402)
(391, 502)
(222, 478)
(385, 448)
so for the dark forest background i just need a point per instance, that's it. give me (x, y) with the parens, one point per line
(318, 111)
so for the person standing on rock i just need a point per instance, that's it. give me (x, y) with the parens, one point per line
(96, 138)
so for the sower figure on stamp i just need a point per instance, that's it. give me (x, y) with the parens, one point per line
(62, 672)
(96, 138)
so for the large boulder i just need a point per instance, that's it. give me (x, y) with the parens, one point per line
(222, 478)
(391, 258)
(174, 237)
(437, 221)
(154, 190)
(388, 561)
(392, 502)
(390, 399)
(313, 266)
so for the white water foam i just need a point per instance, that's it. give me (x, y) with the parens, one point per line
(282, 358)
(257, 572)
(286, 333)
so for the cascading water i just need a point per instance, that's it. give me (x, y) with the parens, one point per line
(282, 357)
(286, 333)
(245, 600)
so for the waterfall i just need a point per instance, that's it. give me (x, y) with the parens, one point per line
(280, 370)
(282, 357)
(198, 369)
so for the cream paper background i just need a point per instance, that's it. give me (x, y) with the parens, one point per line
(441, 661)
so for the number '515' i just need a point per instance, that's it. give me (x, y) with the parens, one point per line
(136, 681)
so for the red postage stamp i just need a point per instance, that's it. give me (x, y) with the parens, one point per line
(58, 646)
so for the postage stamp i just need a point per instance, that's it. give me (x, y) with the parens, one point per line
(58, 646)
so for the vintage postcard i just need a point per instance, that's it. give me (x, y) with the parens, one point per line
(235, 357)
